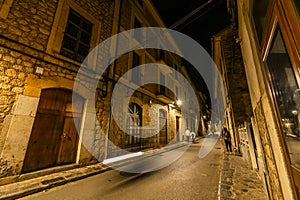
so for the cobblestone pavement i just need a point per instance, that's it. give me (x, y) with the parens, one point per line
(238, 181)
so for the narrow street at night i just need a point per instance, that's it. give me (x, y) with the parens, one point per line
(150, 99)
(187, 178)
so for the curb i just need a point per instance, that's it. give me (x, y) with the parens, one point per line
(31, 186)
(220, 178)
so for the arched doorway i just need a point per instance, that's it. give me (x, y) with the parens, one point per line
(133, 138)
(54, 139)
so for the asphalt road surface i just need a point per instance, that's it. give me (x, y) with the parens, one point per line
(187, 178)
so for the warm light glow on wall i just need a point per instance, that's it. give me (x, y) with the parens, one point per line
(179, 102)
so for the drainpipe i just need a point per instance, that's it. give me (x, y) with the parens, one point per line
(115, 30)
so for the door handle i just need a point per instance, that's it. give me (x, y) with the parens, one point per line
(66, 136)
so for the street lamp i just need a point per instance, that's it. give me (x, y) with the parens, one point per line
(179, 102)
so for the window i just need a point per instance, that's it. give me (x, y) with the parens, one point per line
(137, 23)
(287, 95)
(77, 37)
(136, 75)
(281, 55)
(176, 72)
(162, 88)
(177, 92)
(134, 122)
(137, 33)
(65, 23)
(162, 55)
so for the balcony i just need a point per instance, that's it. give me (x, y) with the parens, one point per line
(165, 95)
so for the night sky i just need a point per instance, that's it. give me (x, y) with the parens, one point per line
(201, 26)
(205, 23)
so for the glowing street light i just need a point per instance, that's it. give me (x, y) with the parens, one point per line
(179, 102)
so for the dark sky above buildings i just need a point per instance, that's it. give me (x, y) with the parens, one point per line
(202, 25)
(208, 21)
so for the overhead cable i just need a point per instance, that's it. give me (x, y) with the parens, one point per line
(182, 20)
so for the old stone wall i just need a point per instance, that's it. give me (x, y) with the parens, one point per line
(29, 22)
(236, 77)
(14, 68)
(1, 3)
(24, 37)
(272, 176)
(25, 32)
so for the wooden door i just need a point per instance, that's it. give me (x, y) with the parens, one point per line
(177, 129)
(69, 136)
(41, 150)
(163, 137)
(54, 137)
(69, 142)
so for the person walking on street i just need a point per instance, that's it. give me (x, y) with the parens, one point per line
(193, 137)
(227, 140)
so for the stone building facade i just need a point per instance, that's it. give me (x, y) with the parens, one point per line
(268, 33)
(151, 104)
(30, 66)
(227, 56)
(43, 123)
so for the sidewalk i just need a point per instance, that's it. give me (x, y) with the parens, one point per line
(34, 185)
(238, 181)
(42, 183)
